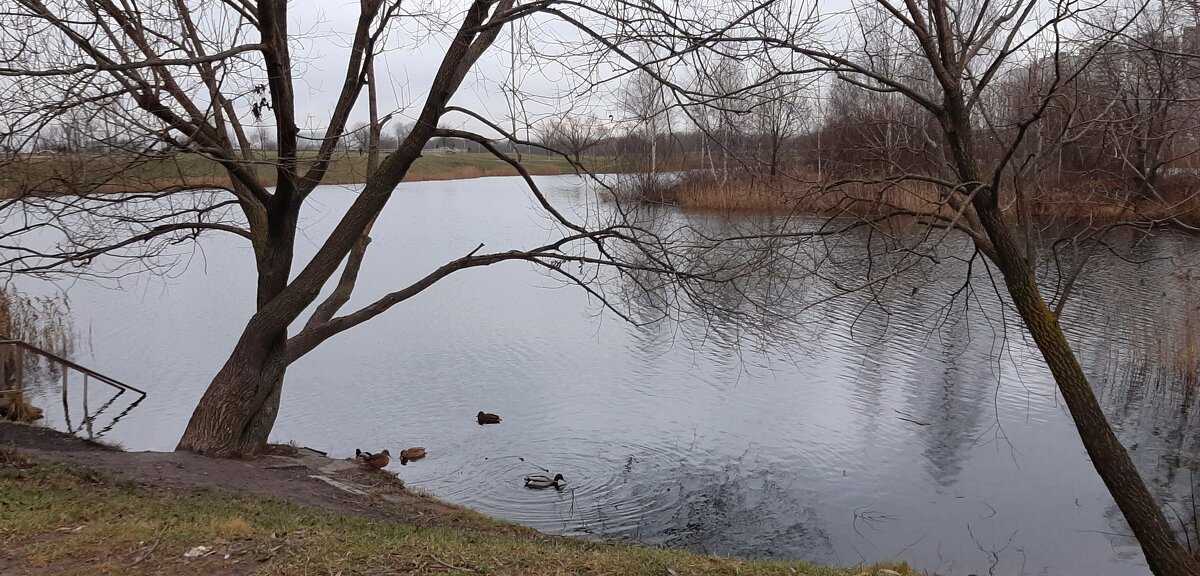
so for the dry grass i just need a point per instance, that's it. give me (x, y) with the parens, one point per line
(1087, 200)
(800, 194)
(101, 174)
(1108, 200)
(60, 519)
(42, 322)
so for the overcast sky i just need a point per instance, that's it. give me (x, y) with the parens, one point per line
(322, 32)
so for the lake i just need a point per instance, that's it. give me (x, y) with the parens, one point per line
(880, 426)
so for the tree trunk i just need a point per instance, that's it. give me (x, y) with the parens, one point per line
(1165, 555)
(235, 416)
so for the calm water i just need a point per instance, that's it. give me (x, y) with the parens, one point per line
(881, 428)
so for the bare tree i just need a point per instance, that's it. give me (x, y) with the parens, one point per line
(358, 137)
(573, 136)
(967, 50)
(401, 131)
(780, 114)
(1150, 86)
(950, 61)
(725, 114)
(262, 138)
(191, 79)
(645, 106)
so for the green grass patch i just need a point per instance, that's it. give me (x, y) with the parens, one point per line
(63, 519)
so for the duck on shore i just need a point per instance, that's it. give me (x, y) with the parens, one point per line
(540, 481)
(409, 454)
(487, 418)
(377, 460)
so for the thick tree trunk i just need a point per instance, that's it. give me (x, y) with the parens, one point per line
(235, 416)
(1163, 551)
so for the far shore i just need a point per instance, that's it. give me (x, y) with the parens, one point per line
(96, 174)
(1092, 201)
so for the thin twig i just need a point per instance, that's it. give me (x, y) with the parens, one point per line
(153, 546)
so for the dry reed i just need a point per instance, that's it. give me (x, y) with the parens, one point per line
(42, 322)
(803, 195)
(1093, 200)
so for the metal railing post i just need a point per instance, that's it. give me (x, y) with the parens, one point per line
(66, 405)
(87, 418)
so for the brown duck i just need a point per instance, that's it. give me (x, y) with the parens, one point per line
(486, 418)
(376, 461)
(411, 454)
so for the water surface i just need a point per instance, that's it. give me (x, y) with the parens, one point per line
(892, 427)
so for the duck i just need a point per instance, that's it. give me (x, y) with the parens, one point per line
(376, 461)
(486, 418)
(544, 481)
(411, 454)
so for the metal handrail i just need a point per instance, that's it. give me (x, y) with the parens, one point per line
(59, 359)
(88, 373)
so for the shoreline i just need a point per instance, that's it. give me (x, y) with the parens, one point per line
(81, 507)
(788, 195)
(65, 175)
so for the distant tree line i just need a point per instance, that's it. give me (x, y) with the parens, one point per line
(1122, 111)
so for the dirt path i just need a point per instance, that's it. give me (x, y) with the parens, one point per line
(305, 477)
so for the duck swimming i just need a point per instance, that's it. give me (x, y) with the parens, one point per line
(410, 454)
(487, 418)
(544, 481)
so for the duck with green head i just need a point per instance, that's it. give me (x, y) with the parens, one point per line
(544, 481)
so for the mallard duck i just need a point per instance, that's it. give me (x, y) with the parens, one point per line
(544, 481)
(376, 461)
(411, 454)
(485, 418)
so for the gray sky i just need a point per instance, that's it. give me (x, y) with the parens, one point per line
(414, 50)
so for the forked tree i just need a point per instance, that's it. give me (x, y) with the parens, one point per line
(184, 81)
(574, 136)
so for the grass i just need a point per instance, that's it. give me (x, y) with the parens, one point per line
(64, 519)
(97, 173)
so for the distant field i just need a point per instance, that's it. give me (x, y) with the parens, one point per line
(95, 173)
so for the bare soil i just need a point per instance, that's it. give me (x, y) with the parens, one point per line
(308, 478)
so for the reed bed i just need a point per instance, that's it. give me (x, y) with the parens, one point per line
(1086, 200)
(802, 195)
(43, 322)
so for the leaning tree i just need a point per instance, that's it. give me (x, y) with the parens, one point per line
(966, 70)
